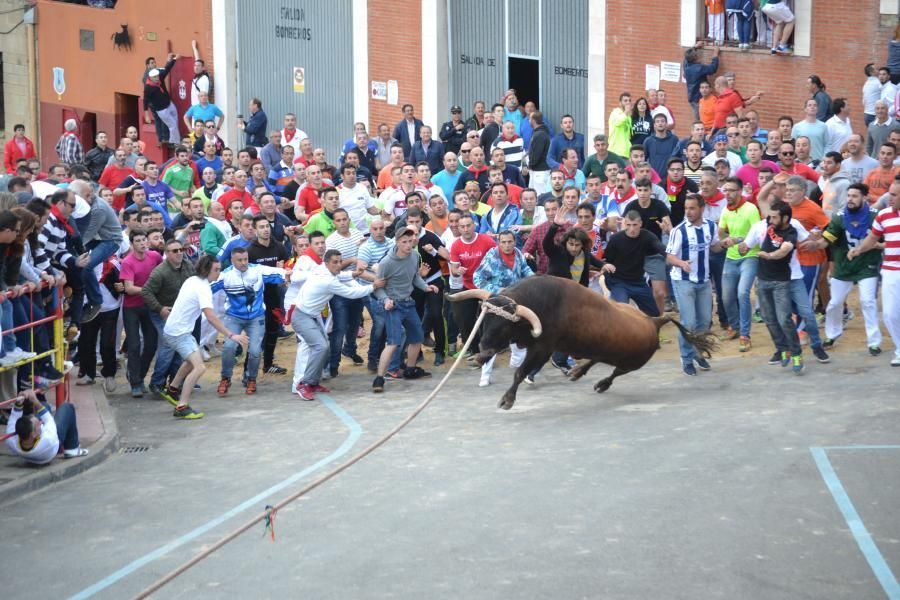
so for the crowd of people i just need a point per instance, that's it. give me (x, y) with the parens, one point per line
(242, 241)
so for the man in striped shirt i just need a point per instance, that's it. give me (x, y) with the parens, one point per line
(887, 224)
(367, 257)
(689, 248)
(347, 311)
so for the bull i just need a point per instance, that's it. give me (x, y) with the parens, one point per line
(545, 314)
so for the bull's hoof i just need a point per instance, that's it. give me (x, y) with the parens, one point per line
(601, 386)
(506, 402)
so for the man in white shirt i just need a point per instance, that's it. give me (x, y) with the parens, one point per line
(194, 299)
(839, 127)
(871, 92)
(35, 435)
(355, 198)
(858, 164)
(320, 287)
(720, 150)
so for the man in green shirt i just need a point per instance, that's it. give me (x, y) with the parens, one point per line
(596, 163)
(740, 271)
(180, 174)
(847, 229)
(323, 220)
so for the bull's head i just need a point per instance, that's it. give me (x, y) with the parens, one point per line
(503, 313)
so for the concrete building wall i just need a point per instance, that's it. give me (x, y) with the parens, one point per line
(18, 68)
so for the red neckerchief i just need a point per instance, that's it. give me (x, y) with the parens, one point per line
(673, 189)
(714, 201)
(511, 139)
(289, 135)
(54, 210)
(478, 172)
(740, 203)
(566, 173)
(509, 259)
(631, 193)
(312, 254)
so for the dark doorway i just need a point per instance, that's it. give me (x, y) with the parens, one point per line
(525, 78)
(127, 114)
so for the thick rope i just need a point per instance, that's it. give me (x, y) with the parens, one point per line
(271, 510)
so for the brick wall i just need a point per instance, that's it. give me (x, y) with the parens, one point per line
(843, 41)
(395, 40)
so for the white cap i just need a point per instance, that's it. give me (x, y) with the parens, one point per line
(153, 73)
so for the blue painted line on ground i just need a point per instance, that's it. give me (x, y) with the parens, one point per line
(355, 432)
(864, 447)
(863, 539)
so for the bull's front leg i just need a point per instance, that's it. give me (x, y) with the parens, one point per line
(581, 370)
(533, 360)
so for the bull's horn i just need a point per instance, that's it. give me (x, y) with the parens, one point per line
(469, 294)
(529, 315)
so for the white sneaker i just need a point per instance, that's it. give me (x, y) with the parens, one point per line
(485, 380)
(109, 385)
(896, 361)
(84, 380)
(20, 354)
(8, 360)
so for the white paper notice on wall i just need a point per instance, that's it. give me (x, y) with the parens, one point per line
(670, 71)
(651, 77)
(392, 92)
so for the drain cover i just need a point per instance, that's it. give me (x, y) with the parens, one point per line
(134, 448)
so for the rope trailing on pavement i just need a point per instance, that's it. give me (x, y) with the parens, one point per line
(271, 510)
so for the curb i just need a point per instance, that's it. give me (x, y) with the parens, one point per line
(61, 469)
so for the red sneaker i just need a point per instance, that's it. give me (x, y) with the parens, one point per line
(306, 392)
(320, 388)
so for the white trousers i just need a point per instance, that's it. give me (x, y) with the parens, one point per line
(516, 358)
(540, 181)
(716, 26)
(169, 116)
(208, 333)
(890, 305)
(834, 314)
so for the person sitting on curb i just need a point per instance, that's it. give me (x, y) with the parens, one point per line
(35, 434)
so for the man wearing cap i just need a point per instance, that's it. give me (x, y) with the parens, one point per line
(453, 132)
(720, 151)
(156, 98)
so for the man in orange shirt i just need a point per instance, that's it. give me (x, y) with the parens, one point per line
(385, 180)
(881, 177)
(814, 219)
(707, 106)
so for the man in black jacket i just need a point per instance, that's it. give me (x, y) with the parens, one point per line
(98, 156)
(537, 154)
(157, 98)
(453, 132)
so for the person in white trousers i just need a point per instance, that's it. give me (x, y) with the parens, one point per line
(887, 224)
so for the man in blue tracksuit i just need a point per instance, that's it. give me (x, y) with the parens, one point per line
(243, 283)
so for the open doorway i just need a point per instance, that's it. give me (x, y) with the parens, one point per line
(525, 77)
(127, 114)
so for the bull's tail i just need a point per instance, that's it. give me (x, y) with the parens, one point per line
(704, 341)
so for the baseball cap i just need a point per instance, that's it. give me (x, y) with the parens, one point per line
(404, 230)
(153, 73)
(455, 108)
(720, 138)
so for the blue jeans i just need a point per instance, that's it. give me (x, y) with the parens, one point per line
(100, 251)
(379, 336)
(27, 309)
(716, 267)
(66, 426)
(255, 329)
(775, 306)
(695, 311)
(403, 318)
(744, 27)
(737, 281)
(810, 282)
(167, 360)
(623, 291)
(804, 312)
(6, 319)
(346, 317)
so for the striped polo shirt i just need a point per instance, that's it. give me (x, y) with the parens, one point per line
(887, 223)
(348, 245)
(691, 243)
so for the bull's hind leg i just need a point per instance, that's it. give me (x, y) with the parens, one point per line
(603, 385)
(581, 370)
(532, 361)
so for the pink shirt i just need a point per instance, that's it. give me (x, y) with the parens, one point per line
(750, 174)
(138, 272)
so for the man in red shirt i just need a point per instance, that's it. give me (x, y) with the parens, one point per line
(17, 148)
(788, 164)
(239, 192)
(534, 245)
(115, 174)
(308, 198)
(466, 254)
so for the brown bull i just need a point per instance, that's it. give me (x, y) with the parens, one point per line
(550, 314)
